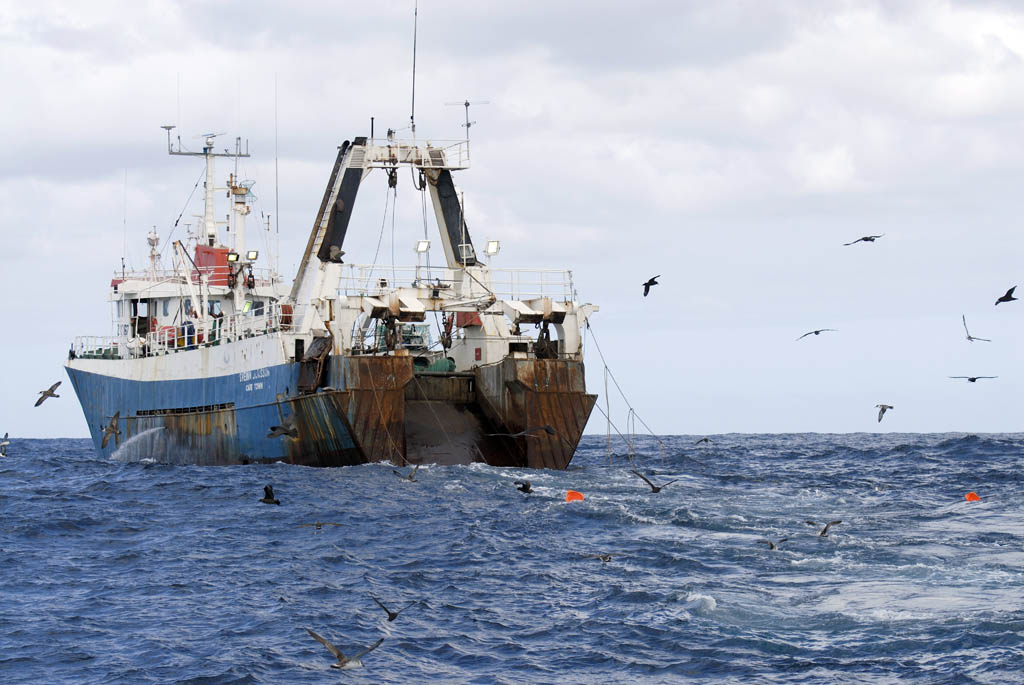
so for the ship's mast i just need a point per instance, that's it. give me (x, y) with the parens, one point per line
(209, 207)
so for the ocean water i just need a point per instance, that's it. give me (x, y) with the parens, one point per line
(139, 572)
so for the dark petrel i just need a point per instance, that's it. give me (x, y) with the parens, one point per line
(650, 283)
(970, 337)
(1008, 297)
(523, 486)
(44, 394)
(772, 545)
(706, 441)
(344, 661)
(823, 533)
(882, 408)
(392, 615)
(654, 488)
(973, 379)
(268, 495)
(111, 430)
(866, 239)
(818, 331)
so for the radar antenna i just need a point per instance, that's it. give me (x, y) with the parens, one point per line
(466, 104)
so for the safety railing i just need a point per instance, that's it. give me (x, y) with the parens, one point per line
(474, 282)
(217, 275)
(189, 335)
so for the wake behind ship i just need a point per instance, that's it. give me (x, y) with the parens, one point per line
(218, 361)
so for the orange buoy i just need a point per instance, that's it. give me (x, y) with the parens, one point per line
(572, 496)
(972, 497)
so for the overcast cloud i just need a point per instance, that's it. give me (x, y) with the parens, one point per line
(732, 147)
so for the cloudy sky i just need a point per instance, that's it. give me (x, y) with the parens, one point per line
(732, 147)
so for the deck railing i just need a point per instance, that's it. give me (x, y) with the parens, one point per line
(189, 335)
(218, 275)
(505, 284)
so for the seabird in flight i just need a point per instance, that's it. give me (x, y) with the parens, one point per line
(866, 239)
(823, 533)
(772, 545)
(344, 661)
(523, 486)
(47, 393)
(1008, 297)
(970, 337)
(882, 409)
(654, 488)
(706, 441)
(392, 615)
(268, 495)
(3, 445)
(650, 283)
(111, 429)
(287, 427)
(817, 332)
(973, 379)
(412, 474)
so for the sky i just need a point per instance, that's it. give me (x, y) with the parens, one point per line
(730, 147)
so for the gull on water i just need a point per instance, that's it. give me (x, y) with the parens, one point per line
(651, 282)
(392, 615)
(882, 408)
(345, 661)
(111, 430)
(866, 239)
(268, 496)
(1008, 297)
(44, 394)
(823, 533)
(654, 488)
(970, 337)
(973, 379)
(818, 331)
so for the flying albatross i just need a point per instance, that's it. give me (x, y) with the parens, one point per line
(345, 661)
(866, 239)
(44, 394)
(654, 488)
(111, 430)
(970, 337)
(823, 533)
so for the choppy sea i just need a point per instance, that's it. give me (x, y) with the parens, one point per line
(139, 572)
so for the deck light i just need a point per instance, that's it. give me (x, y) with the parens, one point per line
(251, 255)
(492, 247)
(422, 246)
(232, 256)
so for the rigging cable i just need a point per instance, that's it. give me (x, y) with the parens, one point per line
(180, 214)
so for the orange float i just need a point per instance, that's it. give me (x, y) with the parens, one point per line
(972, 497)
(573, 496)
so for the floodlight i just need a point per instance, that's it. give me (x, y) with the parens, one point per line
(422, 246)
(251, 255)
(232, 256)
(247, 306)
(492, 247)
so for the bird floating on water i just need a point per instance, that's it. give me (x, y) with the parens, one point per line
(392, 615)
(44, 394)
(651, 282)
(970, 337)
(523, 486)
(866, 239)
(772, 545)
(973, 379)
(1008, 297)
(317, 525)
(819, 331)
(654, 488)
(603, 557)
(268, 496)
(882, 408)
(823, 533)
(344, 661)
(111, 430)
(287, 427)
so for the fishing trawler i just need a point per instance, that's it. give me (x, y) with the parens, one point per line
(218, 361)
